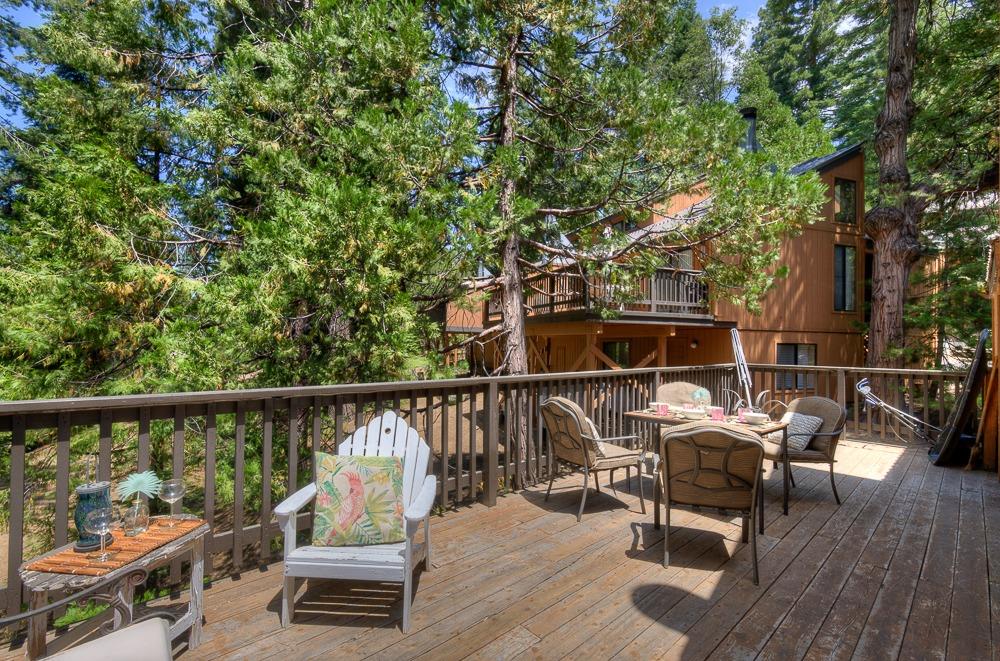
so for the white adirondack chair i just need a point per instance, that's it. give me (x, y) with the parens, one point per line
(386, 436)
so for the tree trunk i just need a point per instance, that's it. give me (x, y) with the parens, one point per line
(514, 342)
(892, 224)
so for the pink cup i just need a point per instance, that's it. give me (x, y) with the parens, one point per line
(740, 412)
(662, 409)
(717, 413)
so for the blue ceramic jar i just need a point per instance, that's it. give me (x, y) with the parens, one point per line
(89, 497)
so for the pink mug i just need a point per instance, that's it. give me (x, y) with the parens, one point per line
(740, 413)
(717, 413)
(663, 409)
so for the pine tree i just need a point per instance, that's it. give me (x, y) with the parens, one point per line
(794, 41)
(338, 147)
(99, 193)
(580, 119)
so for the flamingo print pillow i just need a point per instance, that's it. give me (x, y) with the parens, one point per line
(359, 500)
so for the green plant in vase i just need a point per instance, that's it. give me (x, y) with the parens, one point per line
(135, 518)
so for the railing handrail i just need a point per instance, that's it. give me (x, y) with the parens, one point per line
(88, 403)
(103, 402)
(859, 368)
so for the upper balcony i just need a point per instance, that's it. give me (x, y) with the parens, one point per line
(667, 295)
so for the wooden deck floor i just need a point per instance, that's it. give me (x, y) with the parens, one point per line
(900, 569)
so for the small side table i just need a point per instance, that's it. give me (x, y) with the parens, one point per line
(40, 583)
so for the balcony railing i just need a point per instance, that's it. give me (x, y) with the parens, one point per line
(666, 293)
(241, 452)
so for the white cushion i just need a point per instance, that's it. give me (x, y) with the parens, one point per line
(148, 640)
(802, 426)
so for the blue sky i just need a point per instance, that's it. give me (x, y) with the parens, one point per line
(744, 8)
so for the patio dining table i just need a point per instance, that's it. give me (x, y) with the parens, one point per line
(670, 420)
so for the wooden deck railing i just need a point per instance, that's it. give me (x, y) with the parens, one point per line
(242, 451)
(927, 394)
(667, 292)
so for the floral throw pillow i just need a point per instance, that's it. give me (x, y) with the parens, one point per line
(359, 500)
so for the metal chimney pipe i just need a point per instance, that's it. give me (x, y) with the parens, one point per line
(749, 114)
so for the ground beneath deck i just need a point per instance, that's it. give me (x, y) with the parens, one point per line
(900, 569)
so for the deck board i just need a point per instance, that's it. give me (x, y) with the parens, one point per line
(874, 577)
(926, 634)
(792, 634)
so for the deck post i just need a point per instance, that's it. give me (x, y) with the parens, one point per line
(842, 387)
(492, 443)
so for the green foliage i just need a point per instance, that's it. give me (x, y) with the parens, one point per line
(794, 42)
(787, 139)
(94, 194)
(338, 148)
(617, 110)
(952, 147)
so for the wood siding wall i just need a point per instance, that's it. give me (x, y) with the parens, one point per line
(800, 308)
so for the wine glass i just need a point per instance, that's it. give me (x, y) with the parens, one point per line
(100, 522)
(171, 491)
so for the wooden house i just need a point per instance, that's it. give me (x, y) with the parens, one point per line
(814, 316)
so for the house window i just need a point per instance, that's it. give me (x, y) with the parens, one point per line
(618, 352)
(682, 259)
(795, 354)
(844, 272)
(845, 201)
(624, 225)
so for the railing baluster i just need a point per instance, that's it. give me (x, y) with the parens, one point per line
(925, 410)
(857, 407)
(177, 472)
(491, 442)
(266, 458)
(293, 446)
(941, 395)
(211, 438)
(444, 448)
(104, 447)
(473, 444)
(239, 485)
(317, 433)
(142, 458)
(459, 463)
(61, 534)
(338, 422)
(15, 524)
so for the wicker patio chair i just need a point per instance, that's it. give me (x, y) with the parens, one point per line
(574, 440)
(822, 446)
(714, 466)
(680, 393)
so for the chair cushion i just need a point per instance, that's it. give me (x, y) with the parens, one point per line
(801, 428)
(615, 456)
(772, 451)
(359, 500)
(149, 639)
